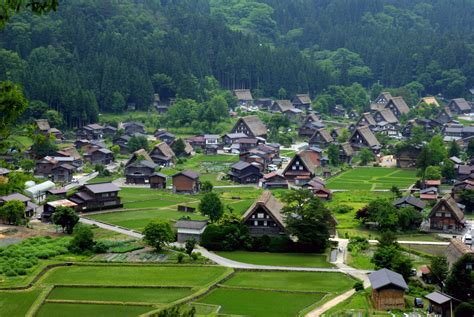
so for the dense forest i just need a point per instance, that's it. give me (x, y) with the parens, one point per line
(102, 55)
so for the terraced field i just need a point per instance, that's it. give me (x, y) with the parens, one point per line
(372, 178)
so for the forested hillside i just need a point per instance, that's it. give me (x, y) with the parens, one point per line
(101, 55)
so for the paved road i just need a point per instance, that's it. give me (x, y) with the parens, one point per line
(81, 181)
(127, 232)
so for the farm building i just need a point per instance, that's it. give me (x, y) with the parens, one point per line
(388, 288)
(302, 165)
(190, 229)
(162, 154)
(273, 180)
(441, 304)
(321, 138)
(244, 173)
(456, 249)
(264, 216)
(186, 182)
(363, 137)
(251, 126)
(459, 106)
(244, 96)
(50, 207)
(446, 215)
(410, 201)
(139, 172)
(157, 181)
(302, 102)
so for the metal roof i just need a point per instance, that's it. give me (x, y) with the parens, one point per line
(384, 277)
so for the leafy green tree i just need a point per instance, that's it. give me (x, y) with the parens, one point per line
(366, 156)
(55, 118)
(333, 155)
(179, 147)
(460, 281)
(43, 146)
(211, 206)
(65, 217)
(388, 255)
(206, 186)
(282, 93)
(307, 219)
(470, 149)
(439, 268)
(433, 172)
(164, 85)
(177, 311)
(447, 169)
(189, 246)
(12, 105)
(396, 191)
(158, 234)
(137, 142)
(115, 149)
(344, 136)
(467, 198)
(27, 165)
(464, 310)
(383, 213)
(9, 8)
(83, 239)
(454, 149)
(118, 102)
(409, 218)
(437, 150)
(13, 212)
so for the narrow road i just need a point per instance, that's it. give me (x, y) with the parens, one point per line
(330, 304)
(127, 232)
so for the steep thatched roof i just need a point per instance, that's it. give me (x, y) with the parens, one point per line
(451, 206)
(243, 94)
(400, 104)
(272, 205)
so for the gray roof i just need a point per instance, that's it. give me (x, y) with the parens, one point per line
(238, 135)
(384, 277)
(240, 165)
(461, 103)
(410, 200)
(188, 173)
(4, 171)
(191, 224)
(15, 196)
(102, 188)
(438, 298)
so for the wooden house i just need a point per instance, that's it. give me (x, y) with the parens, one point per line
(321, 138)
(366, 119)
(190, 229)
(457, 249)
(429, 101)
(244, 97)
(109, 131)
(346, 153)
(295, 115)
(398, 106)
(50, 208)
(263, 103)
(385, 115)
(364, 137)
(77, 161)
(273, 180)
(383, 98)
(163, 155)
(139, 172)
(139, 155)
(122, 142)
(30, 207)
(157, 181)
(264, 217)
(407, 157)
(459, 106)
(244, 173)
(197, 142)
(62, 173)
(409, 201)
(232, 138)
(99, 156)
(302, 166)
(44, 167)
(131, 128)
(388, 289)
(165, 136)
(186, 182)
(280, 106)
(42, 126)
(302, 102)
(446, 215)
(252, 126)
(98, 196)
(441, 304)
(90, 132)
(430, 193)
(353, 115)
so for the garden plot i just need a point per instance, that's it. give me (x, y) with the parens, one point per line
(372, 178)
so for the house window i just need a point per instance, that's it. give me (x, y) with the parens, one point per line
(301, 168)
(260, 215)
(255, 223)
(293, 167)
(265, 223)
(439, 214)
(447, 215)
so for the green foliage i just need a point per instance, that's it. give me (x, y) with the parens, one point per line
(136, 143)
(432, 154)
(448, 170)
(460, 281)
(65, 217)
(206, 186)
(179, 147)
(9, 8)
(158, 233)
(467, 198)
(189, 246)
(307, 219)
(211, 206)
(342, 209)
(366, 156)
(12, 105)
(388, 255)
(433, 172)
(384, 213)
(465, 309)
(409, 218)
(27, 165)
(439, 268)
(470, 149)
(333, 155)
(358, 286)
(43, 146)
(83, 240)
(13, 212)
(454, 149)
(224, 237)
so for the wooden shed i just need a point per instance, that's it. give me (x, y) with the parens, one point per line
(388, 288)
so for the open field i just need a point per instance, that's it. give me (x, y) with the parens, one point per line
(16, 304)
(122, 294)
(278, 259)
(81, 310)
(134, 275)
(375, 178)
(258, 303)
(292, 281)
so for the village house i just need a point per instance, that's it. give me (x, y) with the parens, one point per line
(50, 208)
(459, 106)
(131, 128)
(321, 138)
(197, 142)
(302, 166)
(398, 106)
(441, 304)
(164, 136)
(280, 106)
(346, 153)
(30, 207)
(407, 157)
(318, 187)
(311, 123)
(44, 166)
(459, 186)
(157, 181)
(294, 115)
(109, 131)
(383, 98)
(264, 217)
(409, 201)
(457, 249)
(366, 119)
(388, 289)
(464, 172)
(62, 173)
(77, 161)
(429, 101)
(139, 155)
(43, 127)
(163, 155)
(186, 182)
(302, 102)
(430, 193)
(263, 154)
(244, 97)
(101, 156)
(244, 173)
(98, 196)
(385, 115)
(90, 132)
(446, 215)
(232, 138)
(252, 126)
(139, 172)
(263, 103)
(190, 229)
(273, 180)
(363, 137)
(122, 142)
(338, 111)
(353, 115)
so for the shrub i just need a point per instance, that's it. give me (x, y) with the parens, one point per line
(194, 256)
(180, 257)
(100, 247)
(358, 286)
(343, 209)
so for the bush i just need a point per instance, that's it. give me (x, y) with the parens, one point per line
(358, 286)
(100, 247)
(180, 257)
(195, 256)
(343, 209)
(83, 240)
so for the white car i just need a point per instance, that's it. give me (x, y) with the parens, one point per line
(467, 239)
(272, 167)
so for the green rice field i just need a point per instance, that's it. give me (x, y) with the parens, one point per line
(278, 259)
(372, 178)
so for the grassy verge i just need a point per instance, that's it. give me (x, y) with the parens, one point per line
(278, 259)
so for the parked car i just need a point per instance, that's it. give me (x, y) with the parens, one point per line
(467, 239)
(418, 302)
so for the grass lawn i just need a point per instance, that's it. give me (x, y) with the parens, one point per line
(120, 294)
(292, 281)
(372, 178)
(16, 303)
(358, 302)
(134, 275)
(436, 250)
(132, 197)
(140, 218)
(360, 260)
(91, 310)
(278, 259)
(260, 303)
(101, 179)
